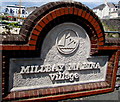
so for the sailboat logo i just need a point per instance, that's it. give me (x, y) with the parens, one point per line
(67, 41)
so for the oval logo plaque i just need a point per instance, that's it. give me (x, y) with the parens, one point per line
(67, 41)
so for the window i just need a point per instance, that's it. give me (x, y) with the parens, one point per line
(11, 11)
(109, 9)
(23, 11)
(6, 10)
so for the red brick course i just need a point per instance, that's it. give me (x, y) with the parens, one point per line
(66, 10)
(36, 32)
(80, 12)
(76, 11)
(71, 10)
(38, 28)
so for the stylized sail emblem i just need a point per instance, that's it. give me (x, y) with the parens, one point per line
(62, 41)
(67, 41)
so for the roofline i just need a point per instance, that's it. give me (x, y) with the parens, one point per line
(16, 6)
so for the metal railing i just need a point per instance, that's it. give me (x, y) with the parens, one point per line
(118, 32)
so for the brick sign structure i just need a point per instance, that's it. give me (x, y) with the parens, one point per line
(60, 53)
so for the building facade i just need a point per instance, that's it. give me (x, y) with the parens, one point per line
(107, 10)
(16, 10)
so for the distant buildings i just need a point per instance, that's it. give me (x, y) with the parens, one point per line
(19, 11)
(108, 10)
(16, 10)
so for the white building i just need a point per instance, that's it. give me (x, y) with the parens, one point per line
(107, 10)
(16, 10)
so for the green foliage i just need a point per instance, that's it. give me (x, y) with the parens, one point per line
(8, 27)
(14, 24)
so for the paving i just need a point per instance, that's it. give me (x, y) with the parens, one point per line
(108, 96)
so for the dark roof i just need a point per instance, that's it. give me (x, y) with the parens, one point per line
(111, 5)
(119, 4)
(16, 6)
(100, 7)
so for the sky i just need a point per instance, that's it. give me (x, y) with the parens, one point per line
(58, 0)
(90, 3)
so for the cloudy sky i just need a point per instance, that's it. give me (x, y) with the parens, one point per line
(58, 0)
